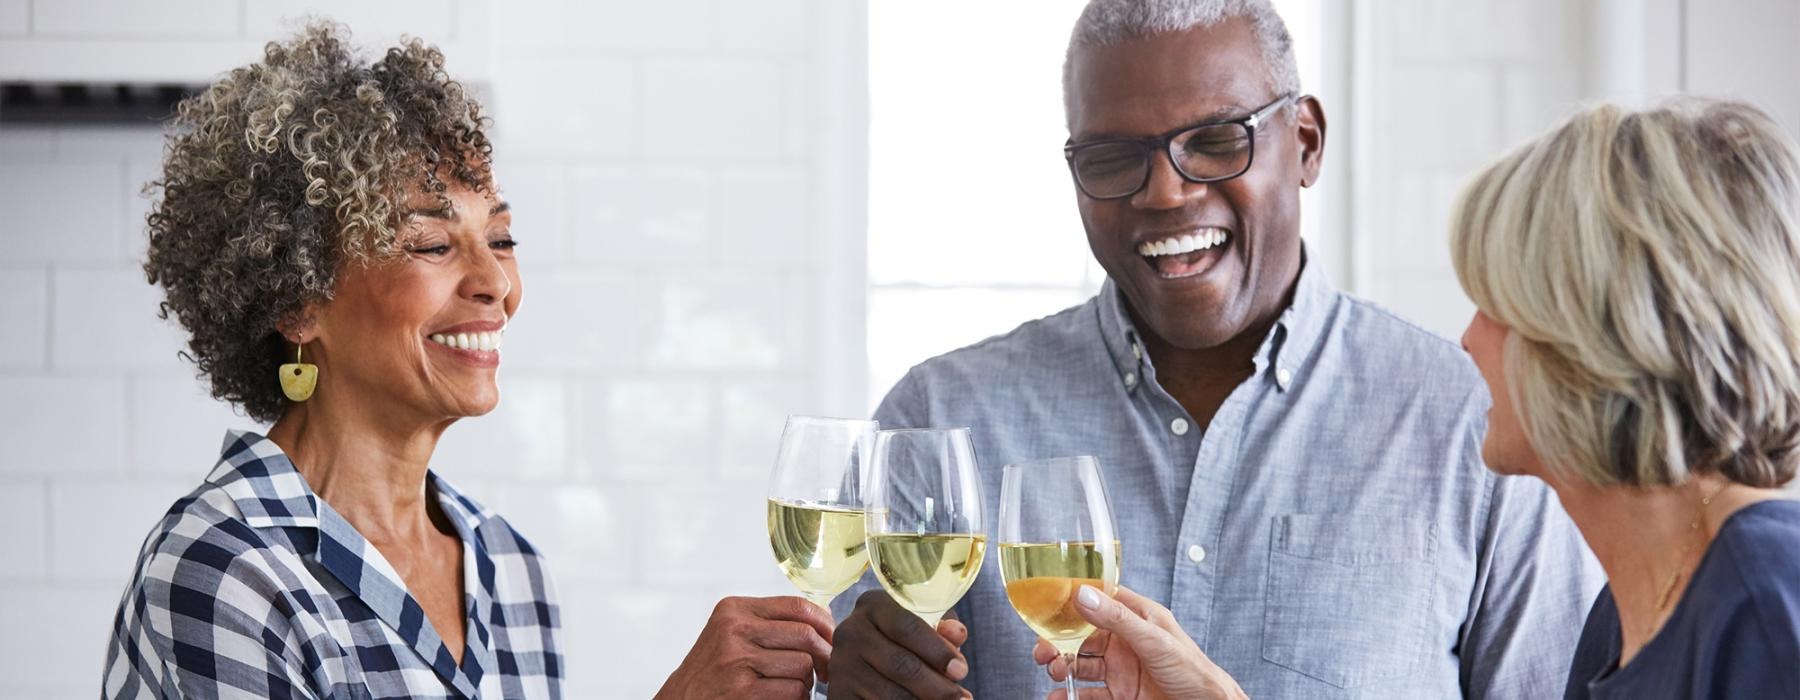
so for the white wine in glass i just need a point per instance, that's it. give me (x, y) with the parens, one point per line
(1056, 535)
(815, 504)
(924, 518)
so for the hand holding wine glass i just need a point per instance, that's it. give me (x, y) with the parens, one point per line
(926, 542)
(1139, 651)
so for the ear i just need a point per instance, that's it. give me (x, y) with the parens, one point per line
(1309, 130)
(300, 327)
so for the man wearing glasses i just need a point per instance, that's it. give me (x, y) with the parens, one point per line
(1296, 473)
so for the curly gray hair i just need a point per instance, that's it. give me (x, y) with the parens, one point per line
(1106, 22)
(282, 172)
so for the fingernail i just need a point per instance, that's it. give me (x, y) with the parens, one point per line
(957, 669)
(1088, 597)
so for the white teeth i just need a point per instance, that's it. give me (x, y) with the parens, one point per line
(1183, 244)
(487, 341)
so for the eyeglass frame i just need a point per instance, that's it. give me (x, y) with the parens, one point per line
(1165, 141)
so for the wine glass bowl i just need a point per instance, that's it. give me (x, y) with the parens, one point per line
(924, 518)
(1056, 534)
(815, 504)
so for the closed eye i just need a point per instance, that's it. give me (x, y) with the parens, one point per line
(503, 244)
(433, 251)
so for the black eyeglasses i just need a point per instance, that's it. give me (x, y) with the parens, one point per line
(1209, 152)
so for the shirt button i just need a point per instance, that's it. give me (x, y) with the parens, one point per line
(1137, 351)
(1130, 379)
(1283, 377)
(1179, 426)
(1196, 553)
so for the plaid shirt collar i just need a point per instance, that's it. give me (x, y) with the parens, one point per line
(271, 493)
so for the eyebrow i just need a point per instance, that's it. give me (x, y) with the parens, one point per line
(1220, 115)
(449, 214)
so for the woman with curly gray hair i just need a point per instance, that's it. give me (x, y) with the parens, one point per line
(329, 233)
(1637, 276)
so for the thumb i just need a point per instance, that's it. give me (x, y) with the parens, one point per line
(1147, 640)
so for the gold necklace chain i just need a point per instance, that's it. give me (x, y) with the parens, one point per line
(1662, 601)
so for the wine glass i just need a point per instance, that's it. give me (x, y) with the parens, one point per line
(924, 519)
(815, 504)
(1056, 534)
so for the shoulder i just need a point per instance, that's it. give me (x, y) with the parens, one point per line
(1040, 345)
(199, 544)
(1762, 545)
(1372, 338)
(1757, 625)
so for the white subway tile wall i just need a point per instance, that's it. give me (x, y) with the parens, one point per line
(659, 157)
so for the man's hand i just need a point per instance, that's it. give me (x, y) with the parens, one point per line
(755, 648)
(885, 651)
(1139, 651)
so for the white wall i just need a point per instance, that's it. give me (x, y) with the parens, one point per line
(1441, 88)
(686, 181)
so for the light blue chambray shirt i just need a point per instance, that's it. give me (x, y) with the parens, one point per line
(1332, 534)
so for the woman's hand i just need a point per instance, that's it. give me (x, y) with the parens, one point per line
(755, 648)
(1139, 651)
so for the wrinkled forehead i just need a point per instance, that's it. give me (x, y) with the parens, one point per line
(1144, 86)
(458, 204)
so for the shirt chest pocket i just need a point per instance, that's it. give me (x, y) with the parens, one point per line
(1349, 599)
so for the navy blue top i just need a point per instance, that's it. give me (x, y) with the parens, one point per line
(1735, 633)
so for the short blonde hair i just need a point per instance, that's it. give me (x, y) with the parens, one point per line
(1649, 267)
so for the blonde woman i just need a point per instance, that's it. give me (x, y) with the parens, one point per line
(1637, 276)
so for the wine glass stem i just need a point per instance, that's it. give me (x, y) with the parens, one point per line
(932, 619)
(1069, 681)
(822, 600)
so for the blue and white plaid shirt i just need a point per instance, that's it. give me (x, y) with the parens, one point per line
(252, 586)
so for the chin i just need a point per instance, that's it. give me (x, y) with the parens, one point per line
(1185, 328)
(475, 402)
(1500, 461)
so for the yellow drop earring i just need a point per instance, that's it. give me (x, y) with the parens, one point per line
(298, 379)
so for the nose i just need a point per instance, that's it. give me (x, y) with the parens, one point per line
(1166, 188)
(484, 280)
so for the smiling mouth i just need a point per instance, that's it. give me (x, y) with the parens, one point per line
(485, 341)
(1186, 255)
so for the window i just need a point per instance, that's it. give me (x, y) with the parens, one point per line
(972, 221)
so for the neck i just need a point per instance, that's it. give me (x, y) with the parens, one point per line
(1200, 379)
(1227, 361)
(370, 469)
(1649, 537)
